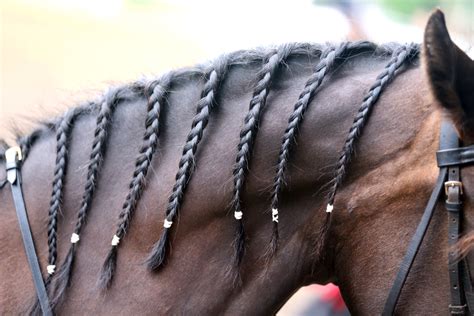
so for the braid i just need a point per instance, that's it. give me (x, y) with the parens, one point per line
(399, 57)
(159, 90)
(95, 161)
(63, 131)
(326, 63)
(215, 76)
(247, 138)
(62, 142)
(27, 142)
(3, 148)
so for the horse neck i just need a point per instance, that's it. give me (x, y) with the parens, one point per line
(201, 248)
(379, 207)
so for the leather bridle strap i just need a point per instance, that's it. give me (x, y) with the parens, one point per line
(13, 165)
(455, 156)
(453, 188)
(414, 246)
(448, 139)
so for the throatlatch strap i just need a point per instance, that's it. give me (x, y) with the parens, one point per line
(13, 160)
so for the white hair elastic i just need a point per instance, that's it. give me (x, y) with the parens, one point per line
(74, 238)
(167, 223)
(115, 240)
(329, 208)
(275, 215)
(50, 268)
(238, 215)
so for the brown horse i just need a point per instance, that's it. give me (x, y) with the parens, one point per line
(254, 177)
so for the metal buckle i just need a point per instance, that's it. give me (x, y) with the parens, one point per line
(452, 184)
(13, 154)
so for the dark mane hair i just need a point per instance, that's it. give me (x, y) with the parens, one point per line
(211, 75)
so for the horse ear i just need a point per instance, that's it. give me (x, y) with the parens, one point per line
(450, 74)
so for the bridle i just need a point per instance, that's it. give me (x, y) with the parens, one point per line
(13, 157)
(450, 158)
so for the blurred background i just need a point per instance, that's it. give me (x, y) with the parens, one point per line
(56, 53)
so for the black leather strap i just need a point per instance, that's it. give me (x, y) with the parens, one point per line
(14, 177)
(454, 207)
(455, 156)
(414, 246)
(448, 139)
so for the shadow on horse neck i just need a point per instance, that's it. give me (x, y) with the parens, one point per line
(205, 190)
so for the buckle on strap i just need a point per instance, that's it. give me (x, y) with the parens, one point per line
(13, 156)
(452, 184)
(457, 309)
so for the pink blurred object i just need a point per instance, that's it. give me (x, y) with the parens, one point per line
(316, 300)
(330, 294)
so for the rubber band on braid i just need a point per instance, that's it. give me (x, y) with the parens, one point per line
(326, 63)
(159, 90)
(63, 131)
(399, 57)
(103, 125)
(247, 137)
(214, 77)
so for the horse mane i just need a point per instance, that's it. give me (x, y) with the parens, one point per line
(270, 61)
(464, 246)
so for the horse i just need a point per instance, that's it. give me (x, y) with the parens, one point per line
(222, 188)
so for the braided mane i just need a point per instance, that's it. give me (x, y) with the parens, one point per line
(212, 75)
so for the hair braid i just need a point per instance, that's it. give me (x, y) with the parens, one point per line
(103, 125)
(215, 76)
(399, 57)
(63, 131)
(247, 138)
(159, 90)
(27, 142)
(3, 148)
(326, 63)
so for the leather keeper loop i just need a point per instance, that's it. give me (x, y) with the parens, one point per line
(457, 310)
(12, 165)
(453, 207)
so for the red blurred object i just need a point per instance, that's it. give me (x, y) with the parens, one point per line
(330, 294)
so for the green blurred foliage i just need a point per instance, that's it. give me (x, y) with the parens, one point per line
(405, 8)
